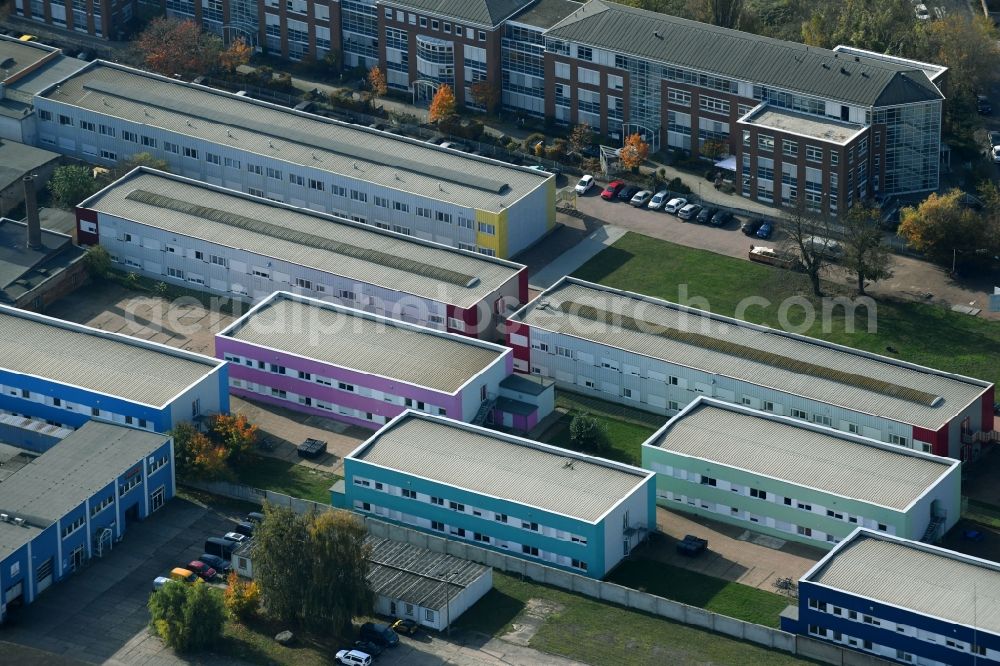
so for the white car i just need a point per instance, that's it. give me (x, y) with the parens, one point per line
(585, 184)
(660, 198)
(675, 205)
(641, 198)
(159, 582)
(354, 658)
(235, 537)
(921, 12)
(996, 154)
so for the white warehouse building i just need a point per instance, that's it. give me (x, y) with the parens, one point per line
(206, 237)
(108, 112)
(660, 356)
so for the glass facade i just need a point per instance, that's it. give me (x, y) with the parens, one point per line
(360, 31)
(523, 69)
(912, 146)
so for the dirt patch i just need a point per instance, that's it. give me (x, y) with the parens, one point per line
(527, 624)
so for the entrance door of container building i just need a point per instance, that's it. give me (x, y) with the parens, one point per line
(14, 594)
(43, 576)
(76, 558)
(131, 514)
(156, 499)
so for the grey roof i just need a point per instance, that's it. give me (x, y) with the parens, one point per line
(864, 81)
(18, 159)
(785, 120)
(414, 575)
(805, 455)
(795, 364)
(113, 364)
(301, 236)
(365, 342)
(481, 12)
(912, 575)
(546, 13)
(69, 473)
(350, 151)
(17, 56)
(490, 463)
(16, 258)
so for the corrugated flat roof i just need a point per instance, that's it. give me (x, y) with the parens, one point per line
(343, 149)
(799, 365)
(487, 462)
(70, 472)
(802, 454)
(109, 363)
(912, 575)
(481, 12)
(364, 342)
(17, 56)
(865, 81)
(316, 240)
(416, 575)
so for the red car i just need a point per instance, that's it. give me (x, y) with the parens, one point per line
(204, 571)
(611, 191)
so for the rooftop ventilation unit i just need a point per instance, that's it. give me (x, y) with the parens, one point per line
(19, 521)
(5, 517)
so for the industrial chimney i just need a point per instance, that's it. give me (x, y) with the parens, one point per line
(31, 208)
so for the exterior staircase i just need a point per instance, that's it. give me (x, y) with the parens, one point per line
(485, 412)
(931, 533)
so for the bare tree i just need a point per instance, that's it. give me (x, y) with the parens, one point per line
(865, 251)
(725, 13)
(801, 227)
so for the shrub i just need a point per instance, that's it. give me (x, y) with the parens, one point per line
(587, 433)
(187, 617)
(242, 597)
(677, 185)
(532, 139)
(97, 260)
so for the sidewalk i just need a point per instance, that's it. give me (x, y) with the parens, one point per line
(575, 257)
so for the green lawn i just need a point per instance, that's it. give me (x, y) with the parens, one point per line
(697, 589)
(925, 334)
(598, 633)
(286, 477)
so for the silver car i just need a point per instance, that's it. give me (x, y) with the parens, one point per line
(641, 198)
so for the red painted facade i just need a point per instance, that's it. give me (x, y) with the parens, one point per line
(86, 237)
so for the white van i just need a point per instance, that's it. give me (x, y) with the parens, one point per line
(827, 247)
(354, 658)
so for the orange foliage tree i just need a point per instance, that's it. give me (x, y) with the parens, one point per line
(170, 46)
(237, 54)
(376, 79)
(634, 152)
(486, 95)
(443, 106)
(235, 434)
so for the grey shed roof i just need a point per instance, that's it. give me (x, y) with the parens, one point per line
(744, 56)
(69, 473)
(298, 235)
(342, 149)
(17, 56)
(546, 13)
(16, 258)
(418, 576)
(803, 454)
(481, 12)
(501, 466)
(364, 342)
(116, 365)
(912, 575)
(795, 364)
(18, 159)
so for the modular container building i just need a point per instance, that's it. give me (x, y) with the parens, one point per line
(74, 502)
(68, 374)
(659, 356)
(548, 505)
(206, 237)
(107, 112)
(901, 600)
(328, 360)
(798, 481)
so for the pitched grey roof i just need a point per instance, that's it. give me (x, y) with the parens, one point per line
(501, 466)
(364, 342)
(795, 364)
(343, 149)
(414, 575)
(69, 473)
(304, 237)
(912, 575)
(803, 454)
(109, 363)
(481, 12)
(744, 56)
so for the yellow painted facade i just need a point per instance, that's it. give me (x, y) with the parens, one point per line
(498, 241)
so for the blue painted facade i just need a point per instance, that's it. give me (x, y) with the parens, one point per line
(139, 486)
(887, 630)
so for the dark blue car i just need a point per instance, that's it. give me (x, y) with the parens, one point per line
(765, 230)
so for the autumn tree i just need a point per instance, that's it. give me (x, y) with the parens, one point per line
(968, 47)
(197, 456)
(443, 107)
(377, 82)
(866, 253)
(125, 165)
(713, 149)
(486, 95)
(237, 55)
(235, 433)
(801, 225)
(946, 229)
(170, 46)
(71, 184)
(633, 154)
(885, 26)
(581, 138)
(242, 597)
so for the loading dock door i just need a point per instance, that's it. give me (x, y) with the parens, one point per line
(13, 592)
(44, 576)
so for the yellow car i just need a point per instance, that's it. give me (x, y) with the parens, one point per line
(184, 575)
(28, 38)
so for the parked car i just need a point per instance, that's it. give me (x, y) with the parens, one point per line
(659, 200)
(994, 138)
(220, 565)
(244, 528)
(405, 626)
(235, 537)
(379, 632)
(368, 647)
(675, 205)
(826, 247)
(183, 575)
(159, 582)
(254, 517)
(28, 38)
(983, 105)
(547, 170)
(721, 218)
(921, 12)
(705, 216)
(765, 230)
(689, 211)
(611, 191)
(585, 184)
(641, 198)
(996, 154)
(750, 227)
(692, 545)
(202, 570)
(627, 193)
(353, 658)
